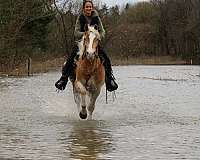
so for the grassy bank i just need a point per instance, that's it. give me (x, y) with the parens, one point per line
(36, 67)
(145, 60)
(56, 64)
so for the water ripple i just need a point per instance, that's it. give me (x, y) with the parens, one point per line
(156, 116)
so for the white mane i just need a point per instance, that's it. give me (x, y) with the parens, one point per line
(80, 46)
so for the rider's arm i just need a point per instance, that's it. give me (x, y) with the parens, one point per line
(77, 32)
(101, 29)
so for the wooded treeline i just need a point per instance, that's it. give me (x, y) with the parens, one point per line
(44, 29)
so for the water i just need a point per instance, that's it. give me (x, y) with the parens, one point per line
(156, 116)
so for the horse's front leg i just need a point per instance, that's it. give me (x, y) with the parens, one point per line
(83, 112)
(82, 92)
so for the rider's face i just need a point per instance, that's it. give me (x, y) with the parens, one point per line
(88, 8)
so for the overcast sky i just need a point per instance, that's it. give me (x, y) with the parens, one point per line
(119, 2)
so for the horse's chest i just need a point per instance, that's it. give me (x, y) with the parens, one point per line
(88, 75)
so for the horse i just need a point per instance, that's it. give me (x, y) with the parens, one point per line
(89, 73)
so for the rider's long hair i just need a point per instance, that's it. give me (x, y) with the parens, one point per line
(85, 1)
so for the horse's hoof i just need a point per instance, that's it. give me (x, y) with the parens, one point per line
(83, 116)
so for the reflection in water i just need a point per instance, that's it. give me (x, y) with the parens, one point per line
(89, 140)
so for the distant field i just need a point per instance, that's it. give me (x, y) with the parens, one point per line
(161, 60)
(53, 64)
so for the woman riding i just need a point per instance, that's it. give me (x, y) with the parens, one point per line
(88, 16)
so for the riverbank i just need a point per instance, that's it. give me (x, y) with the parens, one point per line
(147, 60)
(56, 64)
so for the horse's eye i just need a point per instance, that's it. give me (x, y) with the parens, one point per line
(97, 39)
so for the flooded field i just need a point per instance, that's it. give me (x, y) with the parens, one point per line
(156, 115)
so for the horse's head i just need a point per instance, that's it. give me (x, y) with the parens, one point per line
(91, 40)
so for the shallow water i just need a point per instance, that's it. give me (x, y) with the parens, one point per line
(156, 115)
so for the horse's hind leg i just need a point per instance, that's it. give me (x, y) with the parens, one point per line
(91, 109)
(77, 98)
(91, 106)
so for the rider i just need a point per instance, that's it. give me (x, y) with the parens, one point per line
(88, 16)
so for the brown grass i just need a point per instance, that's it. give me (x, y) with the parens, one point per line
(161, 60)
(37, 67)
(56, 64)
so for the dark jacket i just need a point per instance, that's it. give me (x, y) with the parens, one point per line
(82, 20)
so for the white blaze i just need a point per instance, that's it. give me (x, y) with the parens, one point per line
(90, 50)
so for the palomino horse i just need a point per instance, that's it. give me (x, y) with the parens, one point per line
(90, 73)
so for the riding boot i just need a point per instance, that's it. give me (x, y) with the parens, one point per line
(111, 85)
(67, 70)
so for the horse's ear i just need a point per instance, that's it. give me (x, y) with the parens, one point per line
(86, 27)
(96, 27)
